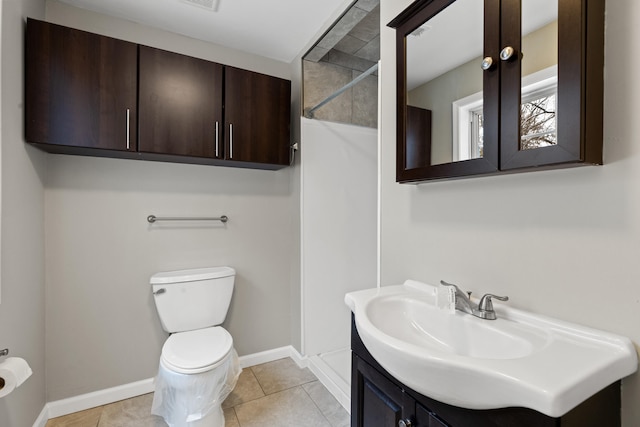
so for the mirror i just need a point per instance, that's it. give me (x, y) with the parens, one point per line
(448, 81)
(539, 83)
(482, 88)
(444, 76)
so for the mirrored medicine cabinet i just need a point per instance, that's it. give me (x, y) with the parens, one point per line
(495, 86)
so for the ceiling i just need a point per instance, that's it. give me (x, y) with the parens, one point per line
(277, 29)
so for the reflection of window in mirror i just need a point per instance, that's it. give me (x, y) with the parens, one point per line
(538, 110)
(537, 116)
(539, 74)
(467, 127)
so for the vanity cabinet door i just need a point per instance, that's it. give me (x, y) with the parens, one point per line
(425, 418)
(375, 401)
(257, 117)
(80, 89)
(180, 105)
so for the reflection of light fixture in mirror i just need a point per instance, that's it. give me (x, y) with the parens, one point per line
(420, 30)
(210, 5)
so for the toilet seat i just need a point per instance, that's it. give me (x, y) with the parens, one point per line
(196, 351)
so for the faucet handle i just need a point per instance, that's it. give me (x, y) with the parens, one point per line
(486, 304)
(443, 283)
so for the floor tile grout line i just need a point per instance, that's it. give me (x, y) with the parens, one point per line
(316, 405)
(101, 413)
(284, 389)
(233, 408)
(257, 380)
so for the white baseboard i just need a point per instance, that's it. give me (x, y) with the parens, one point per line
(266, 356)
(70, 405)
(332, 381)
(42, 419)
(97, 398)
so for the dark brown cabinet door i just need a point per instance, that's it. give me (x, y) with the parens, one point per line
(439, 161)
(257, 117)
(80, 88)
(424, 418)
(376, 401)
(576, 136)
(180, 105)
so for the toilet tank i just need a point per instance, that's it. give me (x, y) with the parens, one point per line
(192, 299)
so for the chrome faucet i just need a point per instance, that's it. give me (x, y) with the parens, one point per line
(483, 310)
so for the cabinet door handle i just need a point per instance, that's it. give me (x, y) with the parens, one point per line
(487, 63)
(507, 53)
(405, 423)
(128, 128)
(217, 138)
(230, 140)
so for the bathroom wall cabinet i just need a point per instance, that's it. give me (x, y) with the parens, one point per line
(93, 95)
(80, 89)
(180, 105)
(508, 140)
(379, 400)
(264, 102)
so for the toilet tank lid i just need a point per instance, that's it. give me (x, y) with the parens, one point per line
(191, 275)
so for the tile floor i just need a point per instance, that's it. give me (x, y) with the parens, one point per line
(274, 394)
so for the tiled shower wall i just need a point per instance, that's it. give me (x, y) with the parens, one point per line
(358, 105)
(349, 48)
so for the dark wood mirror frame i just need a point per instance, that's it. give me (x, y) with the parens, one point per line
(580, 92)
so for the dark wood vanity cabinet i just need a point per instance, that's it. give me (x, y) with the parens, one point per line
(181, 103)
(526, 76)
(92, 95)
(80, 89)
(379, 400)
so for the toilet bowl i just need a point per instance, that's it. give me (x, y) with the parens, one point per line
(198, 366)
(197, 351)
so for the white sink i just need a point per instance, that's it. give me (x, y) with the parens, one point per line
(520, 359)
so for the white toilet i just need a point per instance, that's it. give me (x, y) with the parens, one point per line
(198, 366)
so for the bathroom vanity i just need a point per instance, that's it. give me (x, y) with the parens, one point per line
(415, 363)
(379, 400)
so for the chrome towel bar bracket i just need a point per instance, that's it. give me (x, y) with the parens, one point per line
(152, 218)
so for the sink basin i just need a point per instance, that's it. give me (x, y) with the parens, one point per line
(520, 359)
(416, 321)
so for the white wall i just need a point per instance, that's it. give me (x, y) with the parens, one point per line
(339, 223)
(22, 323)
(562, 243)
(102, 327)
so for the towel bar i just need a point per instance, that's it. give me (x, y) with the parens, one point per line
(152, 218)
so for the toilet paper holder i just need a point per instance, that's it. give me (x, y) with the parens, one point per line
(4, 352)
